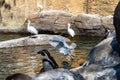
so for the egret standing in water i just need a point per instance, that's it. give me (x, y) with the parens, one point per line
(31, 29)
(70, 30)
(40, 7)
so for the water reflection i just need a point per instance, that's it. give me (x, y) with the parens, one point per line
(25, 60)
(4, 37)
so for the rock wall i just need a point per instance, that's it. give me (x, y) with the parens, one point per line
(21, 9)
(55, 21)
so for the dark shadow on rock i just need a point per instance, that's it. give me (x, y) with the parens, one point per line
(66, 65)
(18, 76)
(117, 69)
(115, 47)
(116, 21)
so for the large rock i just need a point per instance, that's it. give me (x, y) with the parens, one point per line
(27, 41)
(107, 22)
(54, 21)
(88, 21)
(106, 53)
(89, 24)
(59, 74)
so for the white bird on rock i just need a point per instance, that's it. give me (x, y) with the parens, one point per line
(60, 44)
(40, 7)
(31, 29)
(70, 30)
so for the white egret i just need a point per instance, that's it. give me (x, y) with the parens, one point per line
(40, 7)
(31, 29)
(70, 30)
(48, 61)
(60, 44)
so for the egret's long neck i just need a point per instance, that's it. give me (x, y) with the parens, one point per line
(28, 24)
(68, 26)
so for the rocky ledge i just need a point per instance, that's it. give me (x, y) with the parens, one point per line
(42, 39)
(55, 22)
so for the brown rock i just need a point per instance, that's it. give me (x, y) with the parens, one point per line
(88, 21)
(107, 22)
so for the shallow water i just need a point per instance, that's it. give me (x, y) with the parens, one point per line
(25, 60)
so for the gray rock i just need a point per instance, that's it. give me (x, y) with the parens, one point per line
(106, 53)
(88, 21)
(59, 74)
(89, 24)
(107, 22)
(42, 39)
(54, 21)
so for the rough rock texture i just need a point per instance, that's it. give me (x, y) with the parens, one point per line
(55, 21)
(20, 10)
(51, 21)
(88, 21)
(96, 72)
(89, 24)
(107, 22)
(27, 41)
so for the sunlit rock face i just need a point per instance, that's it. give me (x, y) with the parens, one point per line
(89, 21)
(55, 22)
(59, 74)
(107, 22)
(51, 21)
(42, 39)
(20, 10)
(106, 53)
(97, 72)
(89, 24)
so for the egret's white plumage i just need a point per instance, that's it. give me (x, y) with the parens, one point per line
(60, 44)
(39, 6)
(31, 29)
(70, 30)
